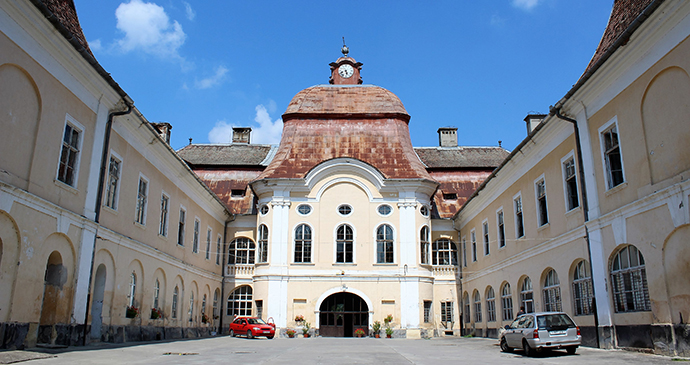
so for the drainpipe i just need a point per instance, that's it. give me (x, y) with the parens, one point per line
(557, 112)
(99, 197)
(223, 266)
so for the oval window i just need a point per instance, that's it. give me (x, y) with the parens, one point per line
(385, 209)
(424, 210)
(345, 209)
(304, 209)
(264, 209)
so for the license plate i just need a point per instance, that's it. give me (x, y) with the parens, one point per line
(557, 333)
(267, 331)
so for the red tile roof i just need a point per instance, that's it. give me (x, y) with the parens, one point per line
(66, 14)
(346, 99)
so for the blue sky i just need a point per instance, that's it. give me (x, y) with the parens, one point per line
(480, 66)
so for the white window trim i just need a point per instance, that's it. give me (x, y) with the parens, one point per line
(177, 225)
(80, 127)
(198, 240)
(498, 239)
(115, 155)
(485, 245)
(419, 243)
(209, 243)
(335, 243)
(473, 249)
(463, 242)
(167, 225)
(536, 202)
(565, 158)
(395, 244)
(304, 215)
(219, 251)
(602, 149)
(384, 215)
(313, 247)
(515, 197)
(146, 206)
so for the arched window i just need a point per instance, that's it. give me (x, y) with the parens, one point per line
(215, 303)
(241, 251)
(629, 281)
(466, 307)
(384, 244)
(490, 305)
(527, 296)
(552, 292)
(344, 244)
(176, 294)
(156, 293)
(203, 305)
(477, 307)
(303, 243)
(240, 302)
(424, 245)
(191, 306)
(132, 289)
(444, 252)
(507, 302)
(582, 289)
(263, 244)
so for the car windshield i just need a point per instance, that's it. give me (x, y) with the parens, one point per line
(555, 322)
(255, 321)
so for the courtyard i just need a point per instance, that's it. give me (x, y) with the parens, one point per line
(321, 350)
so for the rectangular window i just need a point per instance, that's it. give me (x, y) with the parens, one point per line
(485, 231)
(237, 193)
(427, 311)
(464, 252)
(542, 212)
(260, 308)
(519, 222)
(501, 229)
(218, 251)
(447, 312)
(450, 196)
(163, 225)
(180, 227)
(612, 157)
(113, 183)
(474, 246)
(208, 244)
(69, 155)
(195, 238)
(142, 194)
(571, 197)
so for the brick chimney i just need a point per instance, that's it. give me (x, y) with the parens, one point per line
(533, 121)
(448, 137)
(241, 134)
(163, 130)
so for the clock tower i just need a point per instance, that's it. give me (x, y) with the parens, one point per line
(345, 70)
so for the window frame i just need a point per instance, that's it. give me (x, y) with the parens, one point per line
(219, 249)
(519, 218)
(447, 315)
(141, 207)
(608, 179)
(385, 245)
(209, 238)
(306, 244)
(542, 216)
(490, 301)
(464, 251)
(246, 298)
(181, 226)
(477, 302)
(467, 311)
(345, 242)
(507, 303)
(262, 244)
(427, 307)
(523, 295)
(583, 289)
(473, 244)
(439, 253)
(112, 197)
(164, 219)
(175, 302)
(551, 292)
(639, 287)
(501, 228)
(195, 236)
(424, 245)
(250, 251)
(485, 237)
(566, 182)
(74, 125)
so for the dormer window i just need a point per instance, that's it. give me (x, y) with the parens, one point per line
(450, 196)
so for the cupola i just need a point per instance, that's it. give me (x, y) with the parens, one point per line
(345, 70)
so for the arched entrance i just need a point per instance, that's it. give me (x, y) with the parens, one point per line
(97, 305)
(342, 313)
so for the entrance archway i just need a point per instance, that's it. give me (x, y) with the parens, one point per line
(341, 314)
(97, 305)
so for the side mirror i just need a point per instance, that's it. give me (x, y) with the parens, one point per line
(507, 327)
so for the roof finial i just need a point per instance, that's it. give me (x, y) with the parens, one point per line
(345, 50)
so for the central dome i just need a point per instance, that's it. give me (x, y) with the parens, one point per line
(345, 99)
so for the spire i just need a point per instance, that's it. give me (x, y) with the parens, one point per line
(344, 50)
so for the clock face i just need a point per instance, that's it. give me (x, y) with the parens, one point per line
(346, 71)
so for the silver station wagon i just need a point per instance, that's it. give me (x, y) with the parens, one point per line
(541, 331)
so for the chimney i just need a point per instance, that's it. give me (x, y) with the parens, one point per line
(163, 130)
(241, 134)
(448, 137)
(533, 121)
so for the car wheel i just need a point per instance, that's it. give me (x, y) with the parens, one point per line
(269, 337)
(232, 333)
(249, 334)
(527, 349)
(571, 350)
(504, 346)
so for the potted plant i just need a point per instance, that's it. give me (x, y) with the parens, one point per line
(389, 332)
(290, 333)
(359, 332)
(204, 318)
(388, 320)
(376, 328)
(132, 311)
(299, 318)
(156, 313)
(305, 330)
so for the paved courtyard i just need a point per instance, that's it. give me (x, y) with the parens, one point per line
(327, 351)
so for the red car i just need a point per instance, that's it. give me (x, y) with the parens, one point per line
(252, 327)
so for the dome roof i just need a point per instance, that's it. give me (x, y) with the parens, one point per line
(345, 99)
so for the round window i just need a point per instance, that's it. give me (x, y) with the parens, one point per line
(345, 209)
(385, 209)
(264, 209)
(424, 210)
(303, 209)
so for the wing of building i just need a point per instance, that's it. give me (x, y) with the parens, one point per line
(107, 234)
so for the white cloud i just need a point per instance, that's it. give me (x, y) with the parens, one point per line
(525, 4)
(147, 28)
(191, 14)
(268, 131)
(211, 81)
(95, 45)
